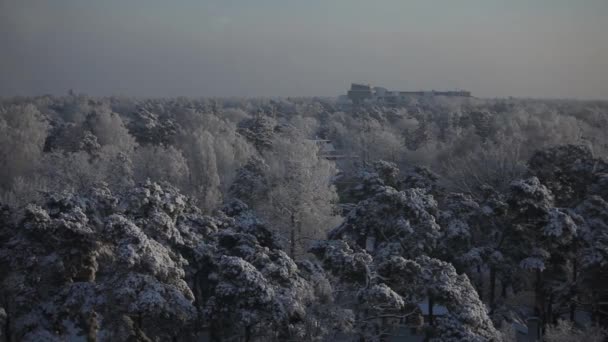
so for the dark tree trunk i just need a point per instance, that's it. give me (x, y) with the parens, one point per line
(572, 311)
(492, 287)
(197, 290)
(247, 334)
(479, 283)
(92, 326)
(139, 319)
(6, 329)
(574, 289)
(540, 297)
(550, 310)
(214, 333)
(503, 291)
(429, 332)
(292, 243)
(431, 318)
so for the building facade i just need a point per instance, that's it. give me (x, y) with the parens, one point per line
(364, 93)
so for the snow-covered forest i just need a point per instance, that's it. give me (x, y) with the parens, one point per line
(302, 219)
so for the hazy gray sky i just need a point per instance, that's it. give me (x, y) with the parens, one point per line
(540, 48)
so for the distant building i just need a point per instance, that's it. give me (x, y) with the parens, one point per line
(358, 93)
(364, 93)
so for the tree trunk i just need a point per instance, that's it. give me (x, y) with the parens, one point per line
(247, 334)
(292, 246)
(429, 332)
(539, 298)
(215, 333)
(574, 291)
(92, 325)
(503, 291)
(550, 310)
(492, 287)
(6, 329)
(431, 320)
(479, 283)
(197, 291)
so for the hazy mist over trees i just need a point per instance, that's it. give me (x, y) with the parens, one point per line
(543, 49)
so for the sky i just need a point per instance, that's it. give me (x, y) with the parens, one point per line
(494, 48)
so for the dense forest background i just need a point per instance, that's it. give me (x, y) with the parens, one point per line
(301, 218)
